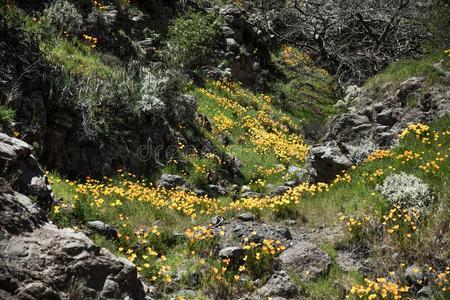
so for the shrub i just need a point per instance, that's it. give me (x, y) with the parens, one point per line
(64, 16)
(191, 39)
(6, 116)
(406, 190)
(360, 151)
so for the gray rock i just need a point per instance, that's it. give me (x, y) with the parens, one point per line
(171, 181)
(228, 32)
(67, 255)
(280, 190)
(232, 252)
(256, 231)
(246, 217)
(306, 260)
(217, 221)
(232, 45)
(217, 190)
(414, 273)
(328, 161)
(18, 165)
(386, 117)
(293, 169)
(251, 195)
(347, 262)
(102, 228)
(409, 86)
(280, 284)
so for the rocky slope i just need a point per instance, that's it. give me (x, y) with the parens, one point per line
(40, 261)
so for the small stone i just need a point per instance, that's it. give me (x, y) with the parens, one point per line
(217, 221)
(414, 273)
(232, 252)
(245, 217)
(102, 228)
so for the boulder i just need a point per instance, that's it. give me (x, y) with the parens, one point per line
(20, 168)
(48, 262)
(280, 284)
(306, 260)
(280, 190)
(170, 181)
(256, 231)
(232, 252)
(247, 217)
(102, 229)
(328, 161)
(40, 261)
(217, 190)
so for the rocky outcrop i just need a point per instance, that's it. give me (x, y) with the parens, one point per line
(246, 47)
(19, 167)
(374, 119)
(49, 263)
(256, 231)
(40, 261)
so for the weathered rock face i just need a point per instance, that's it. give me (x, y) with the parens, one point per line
(48, 262)
(280, 285)
(256, 231)
(19, 167)
(306, 260)
(377, 117)
(40, 261)
(328, 160)
(246, 47)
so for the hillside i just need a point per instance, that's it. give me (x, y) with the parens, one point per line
(215, 150)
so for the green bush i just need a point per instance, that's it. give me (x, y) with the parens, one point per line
(191, 39)
(6, 116)
(64, 16)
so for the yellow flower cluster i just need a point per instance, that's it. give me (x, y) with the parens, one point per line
(223, 124)
(285, 146)
(293, 57)
(417, 129)
(224, 102)
(91, 40)
(267, 134)
(98, 4)
(447, 52)
(264, 172)
(433, 165)
(407, 156)
(118, 193)
(442, 280)
(353, 224)
(379, 288)
(199, 233)
(379, 154)
(291, 196)
(401, 221)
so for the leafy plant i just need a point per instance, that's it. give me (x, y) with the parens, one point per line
(6, 115)
(191, 39)
(406, 190)
(64, 16)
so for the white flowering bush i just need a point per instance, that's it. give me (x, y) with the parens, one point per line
(406, 190)
(64, 16)
(358, 152)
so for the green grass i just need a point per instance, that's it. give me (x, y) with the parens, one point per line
(78, 58)
(306, 91)
(359, 196)
(6, 116)
(402, 70)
